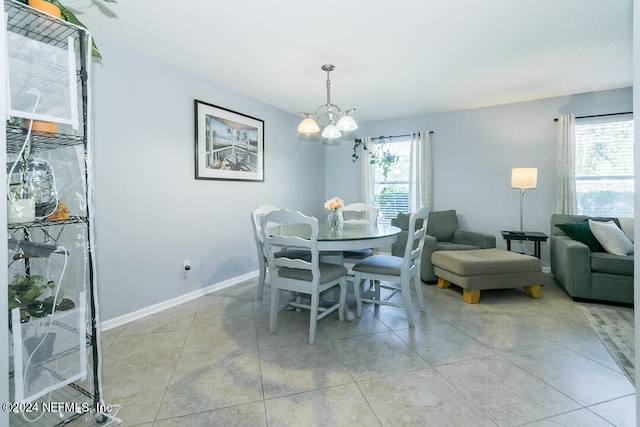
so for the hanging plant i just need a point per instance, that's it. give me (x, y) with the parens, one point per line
(382, 156)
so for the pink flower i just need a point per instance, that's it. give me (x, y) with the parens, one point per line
(334, 204)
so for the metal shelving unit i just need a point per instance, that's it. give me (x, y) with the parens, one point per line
(85, 394)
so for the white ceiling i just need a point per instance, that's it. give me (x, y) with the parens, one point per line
(393, 58)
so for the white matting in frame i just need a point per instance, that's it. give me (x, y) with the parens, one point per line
(229, 145)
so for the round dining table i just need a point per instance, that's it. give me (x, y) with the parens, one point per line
(353, 236)
(332, 243)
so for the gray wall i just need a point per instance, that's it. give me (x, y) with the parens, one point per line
(473, 154)
(151, 214)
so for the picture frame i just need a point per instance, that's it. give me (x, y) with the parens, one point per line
(228, 145)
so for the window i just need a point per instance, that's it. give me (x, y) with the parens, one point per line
(391, 195)
(604, 166)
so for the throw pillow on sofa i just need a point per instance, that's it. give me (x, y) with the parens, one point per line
(581, 232)
(611, 237)
(626, 224)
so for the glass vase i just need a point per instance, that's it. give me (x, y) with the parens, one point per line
(335, 219)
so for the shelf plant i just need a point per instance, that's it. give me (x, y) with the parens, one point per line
(70, 17)
(25, 293)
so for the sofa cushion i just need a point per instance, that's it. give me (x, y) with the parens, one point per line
(448, 246)
(442, 224)
(626, 224)
(402, 221)
(603, 262)
(485, 262)
(581, 232)
(611, 237)
(570, 219)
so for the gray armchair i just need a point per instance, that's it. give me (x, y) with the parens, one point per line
(443, 234)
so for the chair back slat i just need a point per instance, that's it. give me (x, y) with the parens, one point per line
(288, 237)
(255, 220)
(415, 239)
(360, 213)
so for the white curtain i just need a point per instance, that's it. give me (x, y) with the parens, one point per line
(420, 172)
(367, 172)
(566, 202)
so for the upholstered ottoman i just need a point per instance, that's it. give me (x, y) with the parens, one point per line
(479, 269)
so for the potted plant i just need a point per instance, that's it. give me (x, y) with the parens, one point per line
(24, 292)
(55, 8)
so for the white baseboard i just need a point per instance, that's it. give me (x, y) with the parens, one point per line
(156, 308)
(546, 269)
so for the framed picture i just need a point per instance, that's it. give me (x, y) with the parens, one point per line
(229, 145)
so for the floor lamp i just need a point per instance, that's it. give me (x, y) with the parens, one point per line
(523, 178)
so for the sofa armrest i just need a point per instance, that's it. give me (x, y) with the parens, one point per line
(426, 266)
(398, 247)
(571, 265)
(465, 237)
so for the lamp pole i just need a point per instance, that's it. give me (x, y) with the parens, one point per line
(521, 205)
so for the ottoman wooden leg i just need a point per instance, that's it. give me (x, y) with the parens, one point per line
(471, 296)
(443, 284)
(534, 291)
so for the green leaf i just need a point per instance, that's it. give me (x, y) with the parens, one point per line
(69, 16)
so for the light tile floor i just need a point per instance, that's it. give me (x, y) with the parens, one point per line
(509, 361)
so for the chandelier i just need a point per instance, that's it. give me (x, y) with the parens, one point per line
(345, 123)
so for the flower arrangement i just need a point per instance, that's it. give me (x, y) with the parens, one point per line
(334, 204)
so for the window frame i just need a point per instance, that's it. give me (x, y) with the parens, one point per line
(606, 180)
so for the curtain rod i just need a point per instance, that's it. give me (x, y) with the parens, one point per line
(599, 115)
(396, 136)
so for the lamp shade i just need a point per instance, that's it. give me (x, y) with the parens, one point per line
(308, 125)
(524, 178)
(331, 131)
(347, 123)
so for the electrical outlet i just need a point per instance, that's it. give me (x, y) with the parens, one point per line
(187, 265)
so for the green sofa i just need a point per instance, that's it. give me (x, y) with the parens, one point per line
(586, 274)
(443, 234)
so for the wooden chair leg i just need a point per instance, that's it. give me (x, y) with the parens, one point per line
(313, 317)
(357, 283)
(262, 275)
(534, 291)
(471, 296)
(273, 310)
(343, 297)
(405, 287)
(418, 285)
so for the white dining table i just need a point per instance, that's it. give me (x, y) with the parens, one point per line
(332, 243)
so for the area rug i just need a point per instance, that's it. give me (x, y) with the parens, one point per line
(614, 326)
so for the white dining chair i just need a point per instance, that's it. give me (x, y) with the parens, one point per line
(394, 271)
(359, 213)
(257, 235)
(300, 276)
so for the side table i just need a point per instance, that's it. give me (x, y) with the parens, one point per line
(532, 236)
